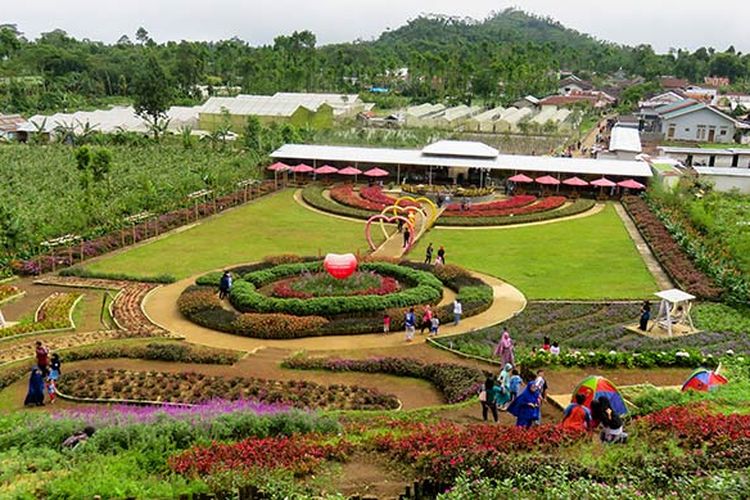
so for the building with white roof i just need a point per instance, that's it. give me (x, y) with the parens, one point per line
(624, 143)
(485, 121)
(511, 121)
(708, 157)
(726, 179)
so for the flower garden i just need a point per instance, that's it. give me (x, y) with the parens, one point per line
(289, 388)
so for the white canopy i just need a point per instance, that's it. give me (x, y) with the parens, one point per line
(674, 295)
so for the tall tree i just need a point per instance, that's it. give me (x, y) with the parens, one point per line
(152, 93)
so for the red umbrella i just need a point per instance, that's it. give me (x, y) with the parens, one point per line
(521, 178)
(547, 180)
(575, 181)
(302, 169)
(631, 184)
(326, 169)
(603, 183)
(278, 167)
(350, 171)
(376, 172)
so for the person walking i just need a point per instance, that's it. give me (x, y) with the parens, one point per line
(526, 407)
(426, 319)
(488, 399)
(225, 285)
(407, 236)
(458, 310)
(504, 349)
(541, 384)
(503, 381)
(35, 393)
(42, 357)
(410, 322)
(515, 384)
(428, 254)
(441, 254)
(55, 366)
(645, 316)
(576, 416)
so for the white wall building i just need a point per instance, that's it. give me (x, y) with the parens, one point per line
(690, 120)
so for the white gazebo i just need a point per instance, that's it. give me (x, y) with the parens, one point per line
(674, 312)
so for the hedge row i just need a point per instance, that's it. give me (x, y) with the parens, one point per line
(82, 272)
(313, 196)
(579, 206)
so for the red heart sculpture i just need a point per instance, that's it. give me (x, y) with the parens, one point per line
(340, 266)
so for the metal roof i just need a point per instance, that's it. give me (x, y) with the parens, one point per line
(704, 151)
(109, 120)
(387, 156)
(460, 148)
(625, 139)
(726, 171)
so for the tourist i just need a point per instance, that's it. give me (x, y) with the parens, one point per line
(51, 388)
(612, 427)
(400, 225)
(410, 322)
(458, 310)
(428, 254)
(55, 367)
(488, 398)
(225, 285)
(504, 349)
(504, 382)
(434, 326)
(546, 344)
(35, 394)
(42, 357)
(526, 407)
(407, 237)
(645, 315)
(441, 254)
(554, 348)
(515, 383)
(386, 323)
(576, 416)
(426, 319)
(79, 437)
(541, 384)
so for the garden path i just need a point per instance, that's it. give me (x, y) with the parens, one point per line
(661, 277)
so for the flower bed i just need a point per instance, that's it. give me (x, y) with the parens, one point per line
(669, 253)
(194, 388)
(454, 209)
(9, 292)
(53, 314)
(300, 455)
(455, 382)
(128, 314)
(423, 190)
(312, 194)
(512, 209)
(156, 351)
(345, 194)
(325, 285)
(545, 211)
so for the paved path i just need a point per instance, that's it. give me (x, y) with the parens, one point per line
(662, 280)
(161, 307)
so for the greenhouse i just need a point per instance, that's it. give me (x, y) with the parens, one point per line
(484, 122)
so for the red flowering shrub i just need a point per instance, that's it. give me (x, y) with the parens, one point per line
(344, 194)
(514, 202)
(286, 289)
(694, 426)
(543, 205)
(298, 454)
(281, 326)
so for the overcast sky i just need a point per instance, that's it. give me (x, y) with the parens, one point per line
(662, 23)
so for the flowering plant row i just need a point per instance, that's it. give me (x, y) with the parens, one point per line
(544, 211)
(671, 256)
(522, 207)
(196, 388)
(324, 285)
(455, 209)
(8, 291)
(54, 314)
(345, 194)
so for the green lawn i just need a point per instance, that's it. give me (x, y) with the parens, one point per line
(588, 258)
(273, 225)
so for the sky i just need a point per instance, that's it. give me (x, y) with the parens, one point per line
(662, 23)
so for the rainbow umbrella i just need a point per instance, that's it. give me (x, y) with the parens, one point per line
(703, 380)
(595, 386)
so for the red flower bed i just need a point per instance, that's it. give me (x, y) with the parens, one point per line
(375, 194)
(543, 205)
(344, 194)
(454, 209)
(695, 427)
(445, 449)
(285, 289)
(299, 454)
(669, 253)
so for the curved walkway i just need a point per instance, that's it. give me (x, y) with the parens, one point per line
(160, 305)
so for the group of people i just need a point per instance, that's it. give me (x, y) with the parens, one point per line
(439, 260)
(429, 320)
(577, 416)
(44, 376)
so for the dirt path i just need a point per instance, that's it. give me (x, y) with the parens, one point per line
(648, 257)
(161, 307)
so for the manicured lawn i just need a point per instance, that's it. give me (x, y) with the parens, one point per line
(273, 225)
(588, 258)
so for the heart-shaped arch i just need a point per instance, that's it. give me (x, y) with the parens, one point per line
(418, 201)
(389, 220)
(397, 210)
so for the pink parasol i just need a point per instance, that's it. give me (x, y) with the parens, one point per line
(575, 181)
(521, 178)
(350, 171)
(376, 172)
(631, 184)
(547, 180)
(326, 169)
(603, 182)
(278, 167)
(302, 169)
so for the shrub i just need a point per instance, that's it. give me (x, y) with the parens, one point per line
(83, 272)
(313, 196)
(281, 326)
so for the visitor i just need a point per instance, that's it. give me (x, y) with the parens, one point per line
(441, 254)
(42, 357)
(51, 388)
(55, 367)
(678, 315)
(426, 319)
(504, 349)
(410, 322)
(546, 344)
(612, 427)
(526, 406)
(428, 254)
(541, 384)
(400, 225)
(458, 310)
(645, 315)
(504, 383)
(515, 384)
(225, 285)
(79, 437)
(407, 237)
(487, 398)
(35, 394)
(555, 348)
(386, 323)
(434, 326)
(576, 416)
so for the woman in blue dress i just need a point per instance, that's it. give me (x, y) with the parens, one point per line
(526, 406)
(35, 396)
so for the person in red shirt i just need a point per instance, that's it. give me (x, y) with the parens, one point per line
(576, 415)
(42, 357)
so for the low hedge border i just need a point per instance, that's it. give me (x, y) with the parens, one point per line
(577, 207)
(312, 194)
(82, 272)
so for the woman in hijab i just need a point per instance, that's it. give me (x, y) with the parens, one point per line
(526, 406)
(35, 396)
(503, 380)
(504, 349)
(612, 431)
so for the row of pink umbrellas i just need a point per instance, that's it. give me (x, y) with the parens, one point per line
(548, 180)
(327, 169)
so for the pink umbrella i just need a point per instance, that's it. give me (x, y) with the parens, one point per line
(350, 171)
(547, 180)
(575, 181)
(302, 169)
(376, 172)
(603, 183)
(278, 167)
(631, 184)
(521, 178)
(326, 169)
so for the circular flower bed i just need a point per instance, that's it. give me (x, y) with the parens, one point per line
(325, 285)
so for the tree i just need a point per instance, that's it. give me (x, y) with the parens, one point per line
(253, 133)
(93, 163)
(11, 231)
(142, 36)
(9, 42)
(152, 93)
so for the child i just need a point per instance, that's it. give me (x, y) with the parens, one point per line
(515, 384)
(410, 322)
(555, 349)
(545, 344)
(434, 325)
(386, 323)
(51, 389)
